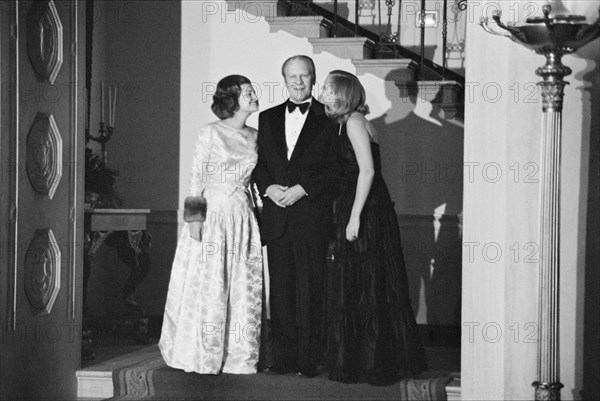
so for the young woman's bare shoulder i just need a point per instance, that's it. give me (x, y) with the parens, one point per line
(356, 123)
(356, 118)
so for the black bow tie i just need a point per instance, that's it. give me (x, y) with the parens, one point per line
(302, 106)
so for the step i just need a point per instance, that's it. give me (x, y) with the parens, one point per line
(397, 70)
(453, 388)
(94, 385)
(452, 101)
(448, 94)
(358, 48)
(301, 26)
(248, 10)
(96, 381)
(432, 91)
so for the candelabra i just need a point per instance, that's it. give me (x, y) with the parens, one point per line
(105, 133)
(554, 34)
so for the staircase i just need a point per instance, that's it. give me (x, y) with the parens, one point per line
(363, 47)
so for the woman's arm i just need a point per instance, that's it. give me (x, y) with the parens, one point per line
(358, 134)
(194, 210)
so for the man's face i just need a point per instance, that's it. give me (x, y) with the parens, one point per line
(298, 80)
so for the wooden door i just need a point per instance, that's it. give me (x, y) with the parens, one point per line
(41, 197)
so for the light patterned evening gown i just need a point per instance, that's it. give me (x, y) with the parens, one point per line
(213, 310)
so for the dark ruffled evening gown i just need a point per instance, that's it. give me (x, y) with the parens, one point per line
(372, 333)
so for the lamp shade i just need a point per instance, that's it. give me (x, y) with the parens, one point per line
(558, 13)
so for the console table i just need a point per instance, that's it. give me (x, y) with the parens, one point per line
(125, 230)
(116, 219)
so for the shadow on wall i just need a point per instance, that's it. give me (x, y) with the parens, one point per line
(422, 162)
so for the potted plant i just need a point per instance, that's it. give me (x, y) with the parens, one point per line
(99, 183)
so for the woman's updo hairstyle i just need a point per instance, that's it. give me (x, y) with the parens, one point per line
(225, 99)
(349, 96)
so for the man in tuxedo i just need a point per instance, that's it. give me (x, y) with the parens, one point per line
(295, 174)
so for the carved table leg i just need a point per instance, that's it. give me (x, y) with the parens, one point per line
(138, 260)
(92, 242)
(132, 250)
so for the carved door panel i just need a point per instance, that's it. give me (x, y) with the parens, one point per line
(41, 197)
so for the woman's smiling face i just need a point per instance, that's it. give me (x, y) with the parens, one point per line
(248, 100)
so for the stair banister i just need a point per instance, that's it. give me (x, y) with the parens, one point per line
(356, 18)
(444, 39)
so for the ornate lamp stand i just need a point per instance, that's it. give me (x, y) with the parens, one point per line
(554, 34)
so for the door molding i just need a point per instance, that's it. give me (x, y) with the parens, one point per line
(14, 167)
(45, 40)
(76, 170)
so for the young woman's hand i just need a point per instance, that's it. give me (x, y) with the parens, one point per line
(195, 228)
(352, 229)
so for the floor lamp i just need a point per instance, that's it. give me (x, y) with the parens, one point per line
(552, 35)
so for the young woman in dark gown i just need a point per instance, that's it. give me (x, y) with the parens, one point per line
(372, 333)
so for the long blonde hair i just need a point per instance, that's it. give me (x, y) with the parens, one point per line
(349, 96)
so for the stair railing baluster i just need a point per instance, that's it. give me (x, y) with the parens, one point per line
(379, 47)
(399, 25)
(422, 18)
(379, 15)
(356, 18)
(388, 34)
(444, 39)
(335, 16)
(389, 39)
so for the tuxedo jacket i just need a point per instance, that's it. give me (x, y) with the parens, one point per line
(313, 165)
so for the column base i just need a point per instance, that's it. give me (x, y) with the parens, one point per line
(547, 391)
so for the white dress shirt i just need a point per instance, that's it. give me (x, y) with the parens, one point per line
(294, 122)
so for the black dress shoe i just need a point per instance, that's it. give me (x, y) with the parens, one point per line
(280, 369)
(309, 371)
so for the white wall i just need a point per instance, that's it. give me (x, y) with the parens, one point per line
(503, 126)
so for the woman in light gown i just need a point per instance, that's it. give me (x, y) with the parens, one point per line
(213, 310)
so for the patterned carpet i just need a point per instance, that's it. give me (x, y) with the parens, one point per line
(148, 378)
